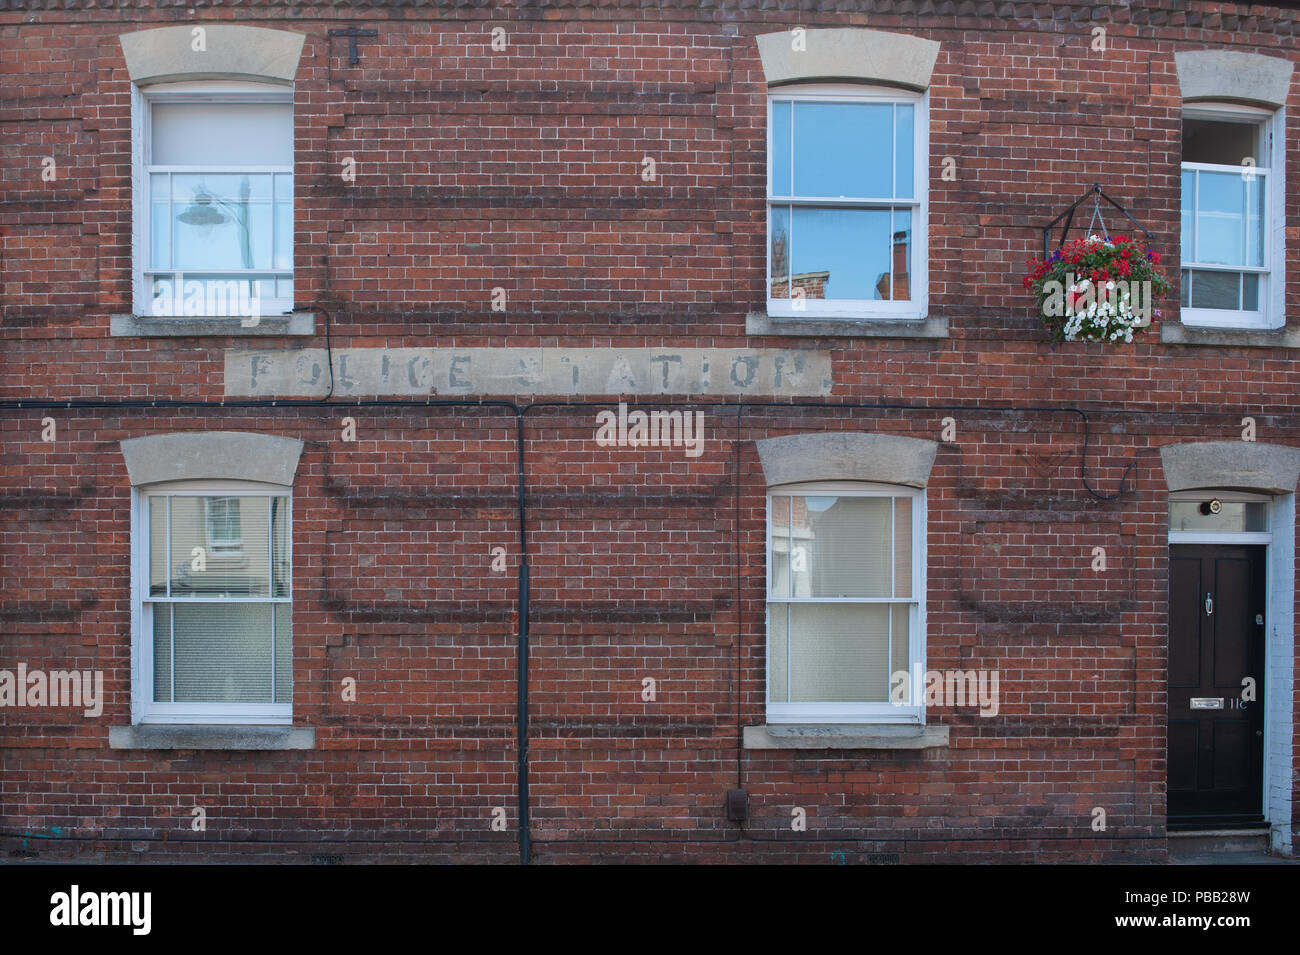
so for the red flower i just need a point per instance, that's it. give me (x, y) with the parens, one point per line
(1155, 257)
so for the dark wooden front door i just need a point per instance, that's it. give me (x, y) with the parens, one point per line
(1216, 641)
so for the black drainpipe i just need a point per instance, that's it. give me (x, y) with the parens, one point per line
(521, 668)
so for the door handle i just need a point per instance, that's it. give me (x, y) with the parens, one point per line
(1209, 604)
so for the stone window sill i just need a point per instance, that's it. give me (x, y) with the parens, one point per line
(140, 326)
(760, 323)
(845, 736)
(1176, 333)
(192, 736)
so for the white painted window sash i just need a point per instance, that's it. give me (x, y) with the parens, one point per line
(144, 709)
(913, 309)
(1270, 169)
(853, 712)
(142, 102)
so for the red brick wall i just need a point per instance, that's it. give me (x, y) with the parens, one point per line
(522, 169)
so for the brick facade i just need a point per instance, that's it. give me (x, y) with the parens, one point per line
(523, 169)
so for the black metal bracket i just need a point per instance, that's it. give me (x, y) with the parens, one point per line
(1096, 194)
(352, 33)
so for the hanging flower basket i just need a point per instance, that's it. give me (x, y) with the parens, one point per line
(1097, 289)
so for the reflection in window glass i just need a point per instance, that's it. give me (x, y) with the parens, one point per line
(1225, 183)
(220, 198)
(1233, 516)
(843, 186)
(779, 227)
(1220, 218)
(843, 150)
(219, 598)
(841, 598)
(904, 150)
(224, 523)
(842, 253)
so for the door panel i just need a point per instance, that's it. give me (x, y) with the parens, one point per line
(1215, 756)
(1231, 747)
(1232, 626)
(1183, 737)
(1184, 618)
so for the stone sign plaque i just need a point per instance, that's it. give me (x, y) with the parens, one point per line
(362, 372)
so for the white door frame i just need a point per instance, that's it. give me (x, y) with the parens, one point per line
(1279, 643)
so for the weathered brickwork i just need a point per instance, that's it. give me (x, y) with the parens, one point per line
(522, 169)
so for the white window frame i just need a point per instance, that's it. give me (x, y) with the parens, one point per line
(854, 712)
(143, 707)
(917, 307)
(1272, 294)
(142, 101)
